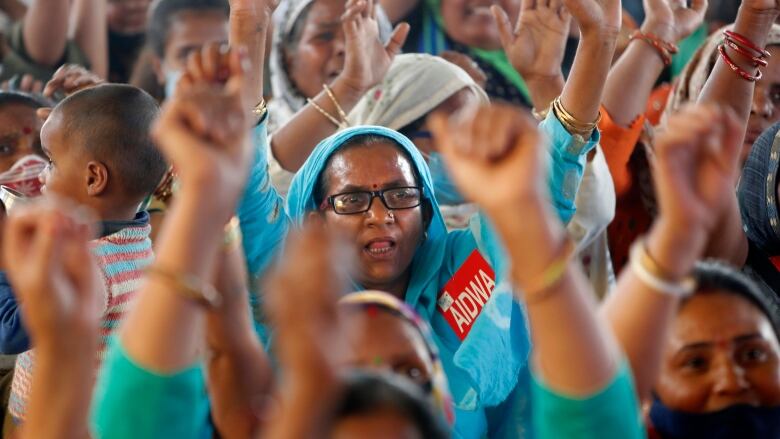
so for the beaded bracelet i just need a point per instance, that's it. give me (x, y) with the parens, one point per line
(665, 49)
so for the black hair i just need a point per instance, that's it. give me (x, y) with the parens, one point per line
(163, 13)
(112, 121)
(368, 393)
(21, 98)
(370, 140)
(714, 276)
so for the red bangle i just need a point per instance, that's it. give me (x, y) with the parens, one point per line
(665, 49)
(741, 40)
(742, 51)
(735, 68)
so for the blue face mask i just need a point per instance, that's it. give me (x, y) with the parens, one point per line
(446, 190)
(171, 80)
(739, 421)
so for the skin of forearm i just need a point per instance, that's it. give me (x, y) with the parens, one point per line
(45, 30)
(164, 330)
(631, 82)
(583, 91)
(63, 377)
(92, 34)
(640, 316)
(724, 87)
(250, 30)
(564, 327)
(293, 142)
(544, 90)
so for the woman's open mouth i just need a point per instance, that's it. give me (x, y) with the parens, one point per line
(382, 248)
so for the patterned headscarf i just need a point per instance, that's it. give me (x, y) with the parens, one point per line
(691, 81)
(439, 389)
(287, 100)
(414, 86)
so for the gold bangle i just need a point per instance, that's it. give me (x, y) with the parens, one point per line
(540, 115)
(188, 286)
(572, 125)
(324, 113)
(336, 104)
(650, 264)
(260, 109)
(232, 233)
(540, 288)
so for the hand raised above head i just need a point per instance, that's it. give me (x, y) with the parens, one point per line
(495, 153)
(203, 128)
(46, 250)
(696, 162)
(536, 46)
(596, 16)
(367, 60)
(673, 20)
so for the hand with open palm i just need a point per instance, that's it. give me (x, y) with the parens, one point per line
(672, 20)
(536, 46)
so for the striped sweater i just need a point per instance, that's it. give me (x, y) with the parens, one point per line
(122, 257)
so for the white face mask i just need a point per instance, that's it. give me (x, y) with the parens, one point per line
(23, 176)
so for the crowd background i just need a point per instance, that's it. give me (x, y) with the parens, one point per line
(390, 218)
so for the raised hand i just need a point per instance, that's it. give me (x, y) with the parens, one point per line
(69, 79)
(47, 255)
(367, 60)
(303, 291)
(695, 165)
(596, 16)
(203, 132)
(496, 147)
(672, 20)
(536, 46)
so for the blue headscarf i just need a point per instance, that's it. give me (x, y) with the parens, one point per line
(484, 368)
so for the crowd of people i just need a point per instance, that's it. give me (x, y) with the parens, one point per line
(390, 219)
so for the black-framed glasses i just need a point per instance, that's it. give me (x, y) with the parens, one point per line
(396, 198)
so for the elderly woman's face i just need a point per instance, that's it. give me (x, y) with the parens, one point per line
(765, 109)
(318, 57)
(385, 240)
(470, 22)
(722, 352)
(380, 340)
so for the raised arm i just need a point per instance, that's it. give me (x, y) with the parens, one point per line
(574, 354)
(202, 132)
(59, 284)
(633, 77)
(536, 47)
(91, 33)
(727, 88)
(365, 65)
(45, 30)
(696, 161)
(599, 22)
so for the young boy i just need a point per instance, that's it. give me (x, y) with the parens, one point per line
(101, 156)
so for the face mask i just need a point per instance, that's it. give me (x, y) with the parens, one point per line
(446, 191)
(24, 175)
(171, 80)
(739, 421)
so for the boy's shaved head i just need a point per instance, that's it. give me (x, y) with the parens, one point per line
(112, 123)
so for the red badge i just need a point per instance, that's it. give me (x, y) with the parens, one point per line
(464, 296)
(776, 261)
